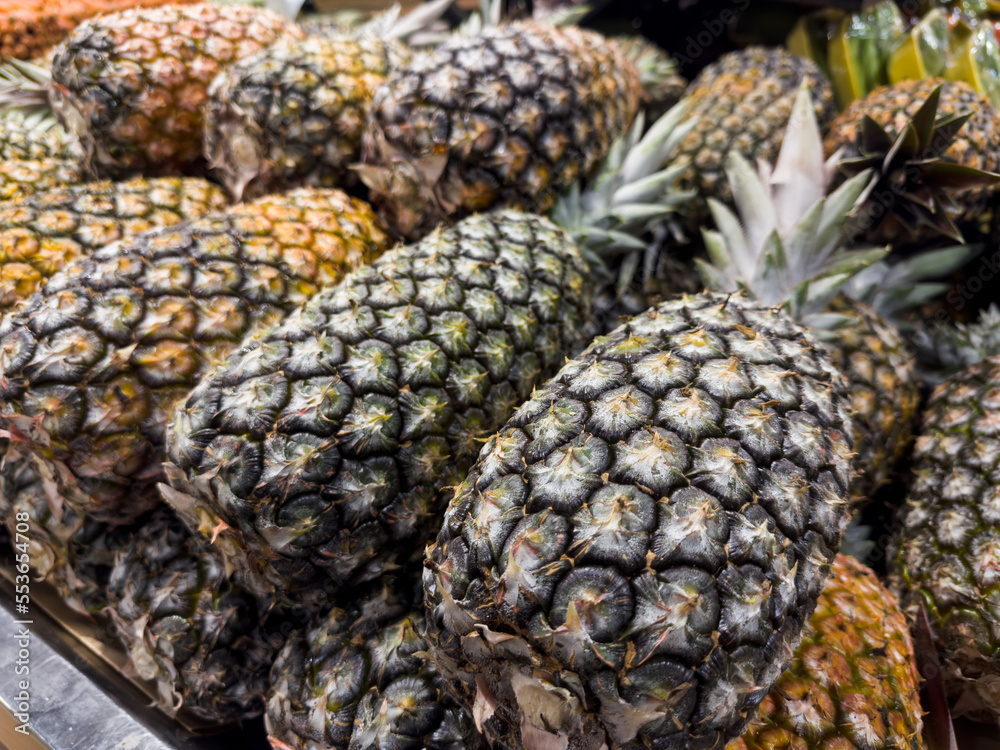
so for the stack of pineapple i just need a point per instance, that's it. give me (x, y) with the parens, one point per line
(393, 496)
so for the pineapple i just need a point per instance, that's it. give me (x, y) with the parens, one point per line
(945, 557)
(28, 28)
(662, 87)
(419, 358)
(131, 85)
(744, 101)
(787, 248)
(185, 626)
(21, 179)
(320, 448)
(52, 231)
(72, 553)
(294, 113)
(91, 366)
(930, 177)
(22, 139)
(631, 559)
(358, 677)
(853, 682)
(511, 116)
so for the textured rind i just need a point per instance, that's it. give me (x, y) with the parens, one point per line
(321, 451)
(185, 626)
(32, 27)
(358, 677)
(22, 178)
(632, 558)
(91, 365)
(977, 144)
(20, 141)
(947, 552)
(853, 683)
(294, 113)
(47, 233)
(743, 101)
(510, 117)
(72, 553)
(131, 85)
(881, 375)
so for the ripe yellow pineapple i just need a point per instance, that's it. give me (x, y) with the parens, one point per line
(47, 233)
(131, 85)
(853, 682)
(20, 179)
(28, 28)
(92, 365)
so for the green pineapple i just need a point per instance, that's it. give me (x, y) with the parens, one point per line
(379, 391)
(92, 365)
(294, 113)
(935, 148)
(186, 627)
(945, 556)
(367, 664)
(784, 252)
(506, 117)
(633, 556)
(744, 101)
(320, 448)
(24, 139)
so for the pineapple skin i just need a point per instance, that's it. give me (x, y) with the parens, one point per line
(977, 144)
(510, 117)
(20, 179)
(945, 556)
(743, 101)
(35, 26)
(631, 560)
(853, 683)
(203, 640)
(91, 366)
(367, 660)
(881, 374)
(322, 452)
(294, 113)
(71, 552)
(52, 231)
(19, 141)
(131, 85)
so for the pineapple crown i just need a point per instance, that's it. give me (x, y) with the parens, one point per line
(657, 69)
(24, 91)
(893, 288)
(910, 168)
(787, 248)
(945, 349)
(391, 25)
(634, 193)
